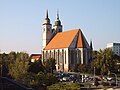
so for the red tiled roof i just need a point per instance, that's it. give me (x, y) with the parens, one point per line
(64, 40)
(36, 56)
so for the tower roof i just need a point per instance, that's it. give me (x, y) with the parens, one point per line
(47, 20)
(57, 21)
(65, 39)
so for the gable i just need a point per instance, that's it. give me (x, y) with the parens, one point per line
(81, 41)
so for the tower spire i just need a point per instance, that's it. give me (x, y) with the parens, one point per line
(47, 20)
(91, 46)
(57, 14)
(46, 13)
(91, 51)
(57, 21)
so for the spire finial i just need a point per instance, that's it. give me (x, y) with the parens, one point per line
(47, 20)
(47, 13)
(57, 14)
(57, 21)
(91, 44)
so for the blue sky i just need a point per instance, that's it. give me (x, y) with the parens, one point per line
(21, 21)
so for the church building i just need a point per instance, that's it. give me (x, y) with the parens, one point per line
(68, 48)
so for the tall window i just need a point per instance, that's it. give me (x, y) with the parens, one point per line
(62, 59)
(79, 56)
(50, 55)
(56, 58)
(54, 55)
(65, 57)
(72, 56)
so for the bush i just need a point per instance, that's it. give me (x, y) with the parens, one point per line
(42, 80)
(64, 86)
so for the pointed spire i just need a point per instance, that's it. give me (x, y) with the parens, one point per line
(57, 14)
(91, 51)
(57, 21)
(91, 47)
(47, 13)
(47, 20)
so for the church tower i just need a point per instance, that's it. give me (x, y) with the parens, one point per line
(57, 27)
(46, 31)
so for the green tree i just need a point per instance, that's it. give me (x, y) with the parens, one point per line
(22, 56)
(18, 70)
(18, 64)
(12, 56)
(41, 80)
(36, 67)
(64, 86)
(103, 61)
(4, 64)
(49, 65)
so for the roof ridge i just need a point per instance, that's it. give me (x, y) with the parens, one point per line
(70, 30)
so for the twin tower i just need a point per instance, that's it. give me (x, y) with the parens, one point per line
(47, 31)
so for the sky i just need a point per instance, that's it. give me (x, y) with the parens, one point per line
(21, 22)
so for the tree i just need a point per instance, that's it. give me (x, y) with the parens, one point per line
(41, 80)
(4, 64)
(49, 65)
(12, 56)
(64, 86)
(18, 65)
(36, 67)
(104, 60)
(22, 56)
(18, 70)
